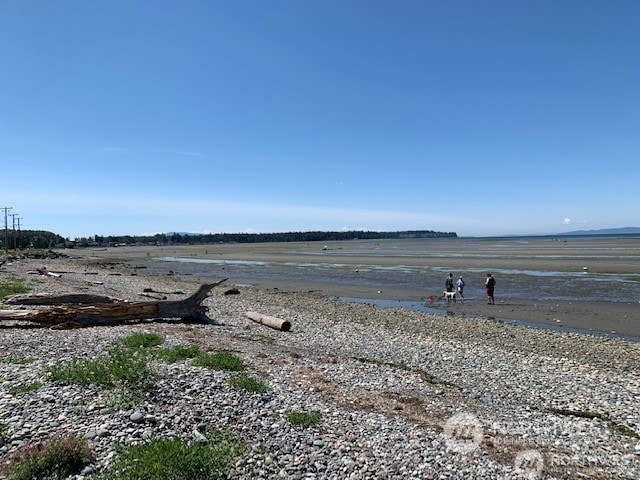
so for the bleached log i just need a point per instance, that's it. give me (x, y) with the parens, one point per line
(269, 321)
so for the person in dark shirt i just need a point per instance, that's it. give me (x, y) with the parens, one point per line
(490, 284)
(448, 283)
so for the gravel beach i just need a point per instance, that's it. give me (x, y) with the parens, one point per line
(403, 394)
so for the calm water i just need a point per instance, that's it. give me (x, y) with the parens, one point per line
(529, 268)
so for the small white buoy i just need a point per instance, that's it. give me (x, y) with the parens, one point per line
(585, 269)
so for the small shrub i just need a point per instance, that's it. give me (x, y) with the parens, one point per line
(220, 361)
(57, 457)
(27, 387)
(304, 419)
(177, 353)
(12, 286)
(143, 340)
(245, 382)
(161, 459)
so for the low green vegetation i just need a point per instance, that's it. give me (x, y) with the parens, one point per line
(123, 368)
(303, 419)
(55, 458)
(122, 399)
(17, 360)
(220, 361)
(618, 427)
(25, 388)
(245, 382)
(142, 340)
(12, 286)
(177, 353)
(623, 429)
(161, 459)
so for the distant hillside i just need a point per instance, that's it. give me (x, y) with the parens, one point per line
(607, 231)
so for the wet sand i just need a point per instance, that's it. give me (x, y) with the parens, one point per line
(604, 255)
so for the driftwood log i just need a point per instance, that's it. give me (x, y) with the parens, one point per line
(47, 299)
(269, 321)
(108, 311)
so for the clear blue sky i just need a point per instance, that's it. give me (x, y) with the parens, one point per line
(479, 117)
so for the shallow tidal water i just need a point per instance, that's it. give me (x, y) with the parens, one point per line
(593, 269)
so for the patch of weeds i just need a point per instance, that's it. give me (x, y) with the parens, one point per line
(578, 413)
(623, 429)
(26, 388)
(17, 360)
(220, 361)
(243, 381)
(177, 353)
(122, 400)
(263, 338)
(161, 459)
(304, 419)
(142, 340)
(4, 431)
(119, 368)
(56, 458)
(426, 376)
(12, 286)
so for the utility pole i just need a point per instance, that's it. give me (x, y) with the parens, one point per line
(19, 218)
(14, 216)
(6, 228)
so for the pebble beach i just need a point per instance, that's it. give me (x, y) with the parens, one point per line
(402, 394)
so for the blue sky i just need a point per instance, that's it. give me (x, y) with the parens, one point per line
(479, 117)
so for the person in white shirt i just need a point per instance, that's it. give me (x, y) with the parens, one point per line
(460, 288)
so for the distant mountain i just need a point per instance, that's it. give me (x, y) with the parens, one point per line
(607, 231)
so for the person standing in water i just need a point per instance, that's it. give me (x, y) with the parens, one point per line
(490, 284)
(460, 287)
(448, 283)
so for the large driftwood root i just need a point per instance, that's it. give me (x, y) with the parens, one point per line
(82, 311)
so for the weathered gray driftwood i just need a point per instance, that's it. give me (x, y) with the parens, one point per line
(48, 299)
(111, 313)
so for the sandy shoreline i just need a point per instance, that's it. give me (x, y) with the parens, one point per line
(608, 317)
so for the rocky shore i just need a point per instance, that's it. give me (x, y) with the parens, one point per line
(403, 395)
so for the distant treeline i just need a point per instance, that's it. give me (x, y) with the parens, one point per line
(24, 239)
(39, 239)
(209, 238)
